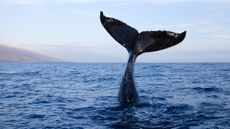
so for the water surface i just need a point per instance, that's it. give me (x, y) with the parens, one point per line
(84, 96)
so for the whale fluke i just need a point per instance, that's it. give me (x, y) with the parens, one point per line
(149, 41)
(121, 32)
(136, 43)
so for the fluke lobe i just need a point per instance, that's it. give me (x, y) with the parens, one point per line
(136, 43)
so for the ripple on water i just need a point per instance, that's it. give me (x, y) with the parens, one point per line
(179, 108)
(82, 96)
(35, 116)
(207, 89)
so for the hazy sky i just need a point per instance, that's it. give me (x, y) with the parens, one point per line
(71, 29)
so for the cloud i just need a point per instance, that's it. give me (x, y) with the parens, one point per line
(185, 1)
(6, 42)
(37, 2)
(23, 2)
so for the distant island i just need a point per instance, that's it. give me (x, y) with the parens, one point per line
(13, 54)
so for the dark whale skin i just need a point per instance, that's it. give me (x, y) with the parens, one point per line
(136, 43)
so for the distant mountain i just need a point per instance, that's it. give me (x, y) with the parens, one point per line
(12, 54)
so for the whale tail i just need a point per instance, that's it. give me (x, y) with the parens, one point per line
(136, 44)
(146, 41)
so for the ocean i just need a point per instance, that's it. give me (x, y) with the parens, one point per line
(84, 96)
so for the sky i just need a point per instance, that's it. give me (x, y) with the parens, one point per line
(71, 29)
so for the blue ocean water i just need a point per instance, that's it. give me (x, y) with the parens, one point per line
(84, 96)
